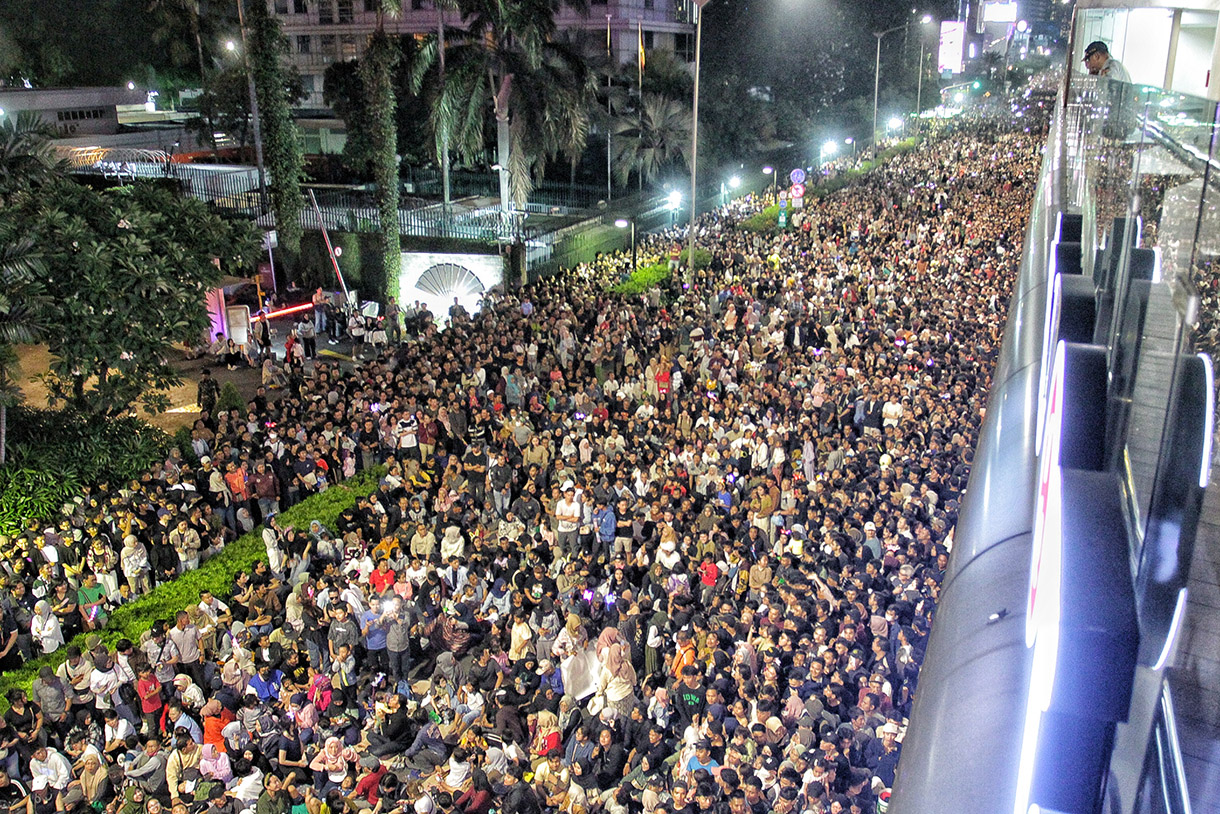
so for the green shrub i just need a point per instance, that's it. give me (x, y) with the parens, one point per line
(644, 279)
(131, 620)
(703, 258)
(53, 454)
(763, 221)
(230, 399)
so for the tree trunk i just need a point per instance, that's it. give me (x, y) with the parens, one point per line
(3, 433)
(194, 12)
(502, 153)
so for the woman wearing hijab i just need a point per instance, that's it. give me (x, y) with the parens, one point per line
(214, 765)
(583, 792)
(331, 765)
(545, 622)
(236, 738)
(45, 628)
(616, 680)
(95, 781)
(546, 737)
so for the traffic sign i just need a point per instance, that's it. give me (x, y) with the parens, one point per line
(797, 191)
(783, 219)
(797, 176)
(783, 204)
(783, 194)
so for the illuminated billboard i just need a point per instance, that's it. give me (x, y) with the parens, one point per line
(999, 12)
(952, 45)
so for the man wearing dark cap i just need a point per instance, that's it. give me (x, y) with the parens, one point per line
(1098, 62)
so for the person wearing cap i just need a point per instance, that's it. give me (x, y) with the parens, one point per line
(882, 755)
(1099, 62)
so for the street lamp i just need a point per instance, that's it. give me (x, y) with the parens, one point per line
(774, 176)
(852, 142)
(694, 139)
(894, 123)
(735, 182)
(674, 200)
(877, 76)
(254, 120)
(927, 18)
(623, 223)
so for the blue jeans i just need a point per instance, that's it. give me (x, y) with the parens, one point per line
(400, 663)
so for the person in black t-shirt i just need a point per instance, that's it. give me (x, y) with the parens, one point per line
(12, 794)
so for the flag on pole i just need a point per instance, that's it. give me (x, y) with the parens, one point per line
(640, 37)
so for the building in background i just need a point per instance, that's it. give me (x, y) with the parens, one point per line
(321, 32)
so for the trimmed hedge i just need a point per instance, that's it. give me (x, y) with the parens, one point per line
(53, 454)
(164, 602)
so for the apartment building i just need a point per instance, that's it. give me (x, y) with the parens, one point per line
(324, 31)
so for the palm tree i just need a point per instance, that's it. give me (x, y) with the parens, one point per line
(171, 16)
(377, 73)
(652, 139)
(540, 91)
(21, 306)
(26, 154)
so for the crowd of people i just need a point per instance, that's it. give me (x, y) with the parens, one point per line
(670, 553)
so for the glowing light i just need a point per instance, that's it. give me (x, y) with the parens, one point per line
(674, 198)
(895, 123)
(622, 223)
(927, 18)
(295, 309)
(1209, 417)
(830, 148)
(131, 85)
(957, 97)
(230, 45)
(768, 170)
(1175, 625)
(735, 182)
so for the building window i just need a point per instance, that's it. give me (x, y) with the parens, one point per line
(309, 82)
(281, 6)
(650, 38)
(326, 43)
(649, 3)
(347, 46)
(371, 5)
(299, 7)
(345, 11)
(326, 12)
(303, 43)
(684, 46)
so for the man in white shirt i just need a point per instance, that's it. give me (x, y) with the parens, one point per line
(567, 518)
(52, 766)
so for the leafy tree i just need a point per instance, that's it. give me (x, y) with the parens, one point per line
(282, 151)
(224, 106)
(540, 91)
(377, 73)
(22, 309)
(26, 155)
(653, 139)
(343, 91)
(128, 271)
(735, 121)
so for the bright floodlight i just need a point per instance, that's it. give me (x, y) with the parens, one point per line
(230, 45)
(131, 85)
(1022, 26)
(830, 148)
(734, 182)
(622, 223)
(927, 18)
(675, 199)
(957, 97)
(768, 170)
(895, 123)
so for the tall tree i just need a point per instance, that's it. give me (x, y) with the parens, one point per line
(377, 73)
(282, 151)
(540, 91)
(22, 309)
(128, 271)
(652, 139)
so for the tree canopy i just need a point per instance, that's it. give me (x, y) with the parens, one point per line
(127, 271)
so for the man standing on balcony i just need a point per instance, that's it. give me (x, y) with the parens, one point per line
(1098, 62)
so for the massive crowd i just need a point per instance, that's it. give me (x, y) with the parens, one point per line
(673, 553)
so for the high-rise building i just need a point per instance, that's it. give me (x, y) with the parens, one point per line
(324, 31)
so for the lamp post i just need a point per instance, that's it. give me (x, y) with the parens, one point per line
(927, 18)
(254, 122)
(774, 178)
(674, 199)
(852, 142)
(623, 223)
(877, 76)
(694, 138)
